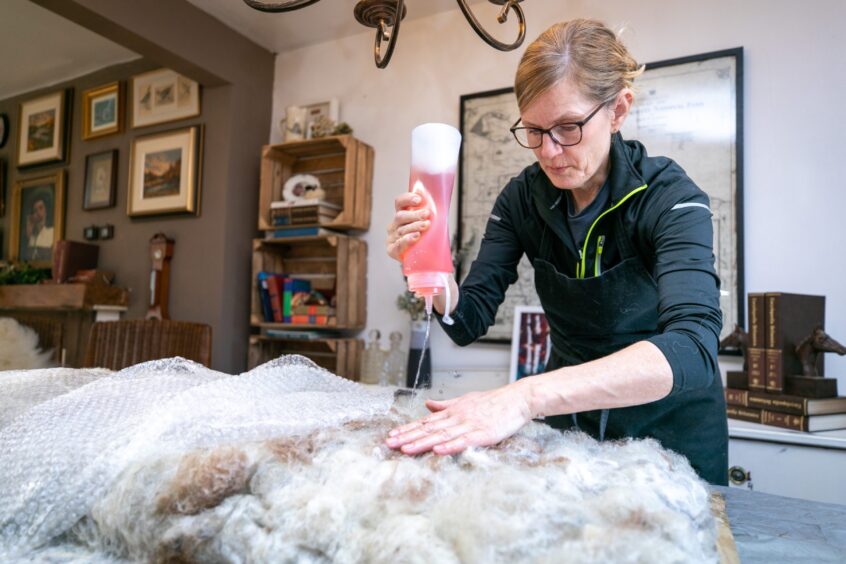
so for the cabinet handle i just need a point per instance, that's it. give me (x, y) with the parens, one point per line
(738, 475)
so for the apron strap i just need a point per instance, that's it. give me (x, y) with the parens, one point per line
(603, 422)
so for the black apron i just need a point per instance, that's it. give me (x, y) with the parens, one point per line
(590, 318)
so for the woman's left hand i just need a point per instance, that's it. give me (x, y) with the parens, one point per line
(474, 419)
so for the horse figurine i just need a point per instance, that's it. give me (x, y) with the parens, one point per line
(737, 339)
(809, 347)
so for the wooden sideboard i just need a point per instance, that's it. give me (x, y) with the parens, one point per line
(62, 314)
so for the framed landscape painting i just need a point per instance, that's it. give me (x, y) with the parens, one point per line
(42, 135)
(164, 172)
(163, 95)
(102, 111)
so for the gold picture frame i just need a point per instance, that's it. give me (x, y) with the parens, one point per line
(42, 129)
(165, 173)
(161, 96)
(38, 219)
(102, 111)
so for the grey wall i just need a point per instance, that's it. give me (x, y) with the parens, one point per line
(210, 275)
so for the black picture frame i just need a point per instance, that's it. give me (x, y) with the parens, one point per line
(100, 185)
(489, 157)
(702, 89)
(4, 129)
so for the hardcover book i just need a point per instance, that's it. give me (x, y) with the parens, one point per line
(784, 403)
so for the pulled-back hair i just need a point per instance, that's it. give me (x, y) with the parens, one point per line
(583, 51)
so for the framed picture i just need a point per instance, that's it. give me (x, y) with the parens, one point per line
(314, 112)
(164, 172)
(691, 110)
(530, 342)
(163, 95)
(100, 180)
(4, 129)
(42, 132)
(37, 221)
(2, 188)
(102, 111)
(489, 158)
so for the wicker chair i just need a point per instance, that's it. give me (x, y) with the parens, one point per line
(118, 344)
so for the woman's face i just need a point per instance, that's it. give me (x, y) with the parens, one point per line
(581, 166)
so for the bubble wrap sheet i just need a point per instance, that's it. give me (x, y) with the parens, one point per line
(65, 440)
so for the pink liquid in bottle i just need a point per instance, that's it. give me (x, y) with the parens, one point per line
(431, 253)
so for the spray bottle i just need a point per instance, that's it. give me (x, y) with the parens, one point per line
(434, 159)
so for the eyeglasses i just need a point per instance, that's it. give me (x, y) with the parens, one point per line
(563, 134)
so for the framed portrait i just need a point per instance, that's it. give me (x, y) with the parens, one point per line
(489, 158)
(691, 110)
(37, 220)
(530, 342)
(163, 95)
(42, 132)
(164, 172)
(102, 111)
(100, 180)
(4, 129)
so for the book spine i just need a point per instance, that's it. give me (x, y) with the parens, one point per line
(774, 370)
(755, 367)
(755, 304)
(264, 298)
(275, 293)
(772, 317)
(743, 413)
(287, 294)
(781, 404)
(737, 397)
(785, 420)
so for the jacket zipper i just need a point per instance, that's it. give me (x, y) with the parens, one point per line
(580, 268)
(596, 264)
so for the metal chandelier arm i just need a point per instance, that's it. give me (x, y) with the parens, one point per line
(501, 18)
(383, 34)
(274, 7)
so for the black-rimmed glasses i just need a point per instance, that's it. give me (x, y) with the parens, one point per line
(563, 134)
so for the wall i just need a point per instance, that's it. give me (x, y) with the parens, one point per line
(794, 197)
(210, 275)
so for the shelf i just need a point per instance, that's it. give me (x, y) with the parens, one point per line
(61, 296)
(342, 164)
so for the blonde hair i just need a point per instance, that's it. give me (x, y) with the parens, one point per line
(582, 50)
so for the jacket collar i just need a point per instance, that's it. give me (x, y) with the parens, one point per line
(622, 178)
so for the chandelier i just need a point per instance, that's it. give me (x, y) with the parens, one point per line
(382, 15)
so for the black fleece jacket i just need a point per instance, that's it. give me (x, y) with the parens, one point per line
(670, 224)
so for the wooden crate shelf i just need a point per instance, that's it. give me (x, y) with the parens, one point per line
(344, 166)
(339, 356)
(336, 261)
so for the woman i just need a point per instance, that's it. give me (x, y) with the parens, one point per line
(621, 244)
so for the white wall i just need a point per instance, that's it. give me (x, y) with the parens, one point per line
(794, 193)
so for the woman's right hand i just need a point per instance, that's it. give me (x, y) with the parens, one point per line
(409, 221)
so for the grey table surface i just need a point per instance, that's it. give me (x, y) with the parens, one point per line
(770, 528)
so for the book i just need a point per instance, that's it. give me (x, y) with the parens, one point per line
(743, 413)
(274, 289)
(299, 335)
(755, 351)
(789, 319)
(283, 204)
(755, 367)
(69, 257)
(292, 285)
(287, 232)
(783, 403)
(264, 296)
(805, 423)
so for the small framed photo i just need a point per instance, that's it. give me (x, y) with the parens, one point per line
(100, 180)
(102, 111)
(165, 172)
(42, 135)
(37, 222)
(314, 112)
(530, 342)
(163, 95)
(4, 129)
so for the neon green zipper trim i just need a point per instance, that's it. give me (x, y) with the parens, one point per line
(599, 245)
(580, 273)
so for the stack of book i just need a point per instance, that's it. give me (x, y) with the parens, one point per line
(289, 299)
(302, 212)
(775, 391)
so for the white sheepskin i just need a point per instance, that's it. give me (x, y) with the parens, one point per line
(336, 493)
(19, 347)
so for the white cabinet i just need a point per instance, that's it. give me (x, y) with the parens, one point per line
(802, 465)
